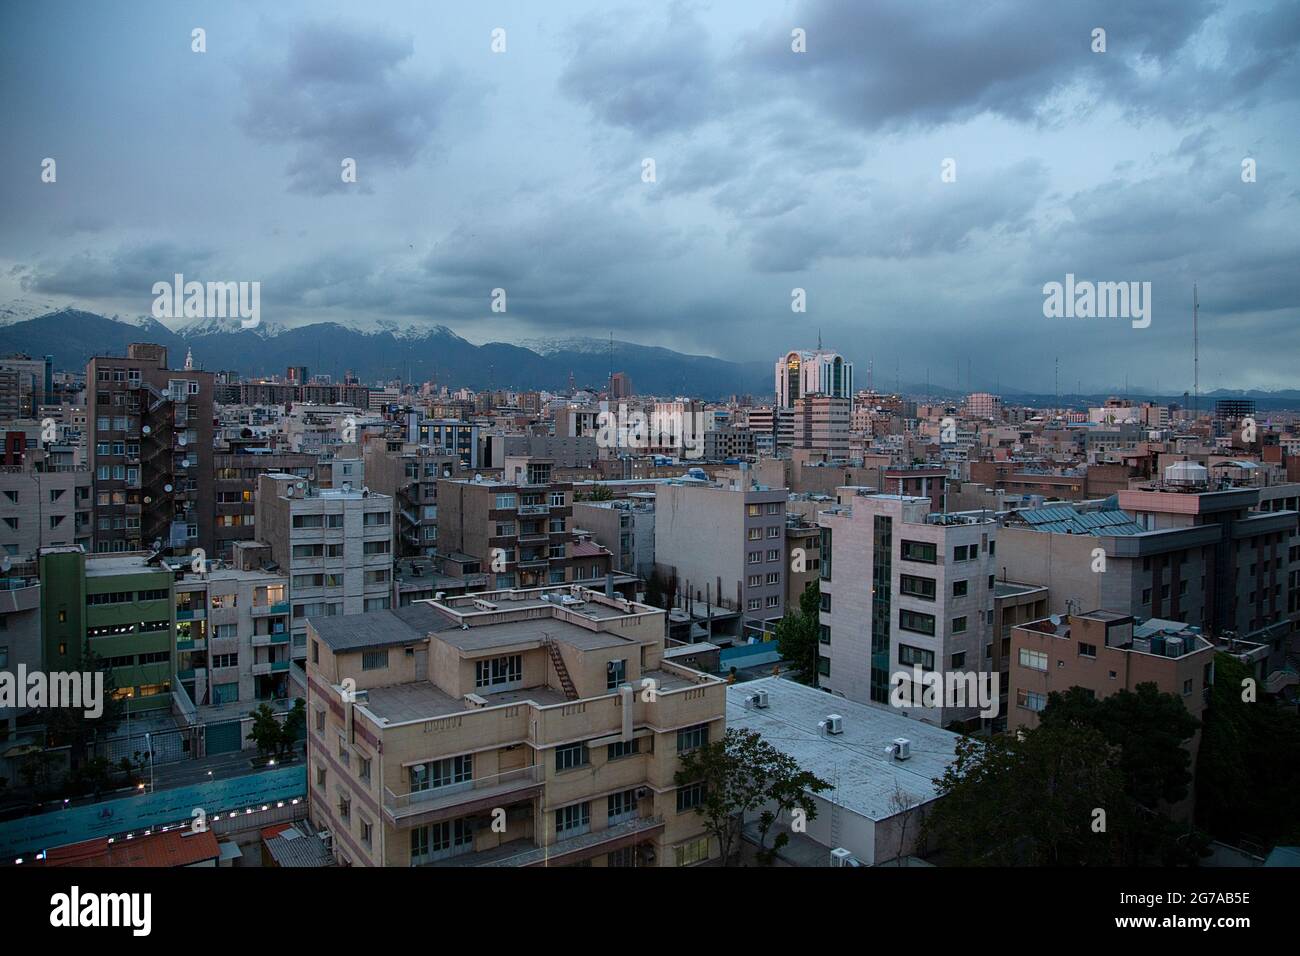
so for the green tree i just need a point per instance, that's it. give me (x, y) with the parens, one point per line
(600, 492)
(742, 774)
(1248, 767)
(69, 726)
(797, 635)
(1031, 800)
(1150, 728)
(265, 732)
(294, 723)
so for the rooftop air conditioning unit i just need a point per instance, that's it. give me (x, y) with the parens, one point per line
(842, 857)
(834, 724)
(902, 748)
(759, 699)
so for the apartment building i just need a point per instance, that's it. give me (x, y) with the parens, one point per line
(235, 490)
(725, 545)
(334, 544)
(455, 437)
(903, 587)
(1013, 604)
(1175, 550)
(803, 543)
(728, 441)
(535, 727)
(232, 638)
(20, 636)
(121, 607)
(821, 423)
(151, 452)
(44, 509)
(519, 532)
(626, 527)
(1106, 652)
(409, 474)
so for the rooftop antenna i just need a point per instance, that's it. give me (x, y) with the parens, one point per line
(1196, 353)
(819, 340)
(1057, 380)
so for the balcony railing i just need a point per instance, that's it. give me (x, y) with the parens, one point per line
(400, 806)
(263, 610)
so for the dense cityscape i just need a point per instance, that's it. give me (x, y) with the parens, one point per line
(724, 438)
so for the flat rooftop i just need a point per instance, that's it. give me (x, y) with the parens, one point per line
(423, 700)
(131, 563)
(863, 778)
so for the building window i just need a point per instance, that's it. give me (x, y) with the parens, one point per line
(688, 854)
(570, 757)
(909, 656)
(959, 588)
(1087, 650)
(622, 806)
(916, 622)
(573, 820)
(923, 552)
(439, 840)
(959, 660)
(1031, 700)
(1034, 660)
(623, 748)
(689, 797)
(692, 738)
(959, 625)
(441, 773)
(499, 671)
(615, 674)
(374, 660)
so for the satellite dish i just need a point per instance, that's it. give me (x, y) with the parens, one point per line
(180, 439)
(145, 429)
(148, 499)
(6, 564)
(167, 488)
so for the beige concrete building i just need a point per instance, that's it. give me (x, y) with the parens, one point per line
(506, 728)
(1105, 652)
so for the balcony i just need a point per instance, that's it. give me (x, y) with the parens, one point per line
(266, 610)
(427, 806)
(191, 614)
(270, 640)
(534, 509)
(570, 850)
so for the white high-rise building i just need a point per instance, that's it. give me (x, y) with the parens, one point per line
(819, 372)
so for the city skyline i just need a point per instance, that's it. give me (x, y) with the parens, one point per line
(920, 179)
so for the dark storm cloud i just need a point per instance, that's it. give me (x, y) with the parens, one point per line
(339, 91)
(893, 65)
(128, 272)
(650, 77)
(884, 222)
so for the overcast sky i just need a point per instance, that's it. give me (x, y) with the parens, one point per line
(774, 170)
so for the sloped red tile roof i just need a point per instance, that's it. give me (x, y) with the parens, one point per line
(166, 849)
